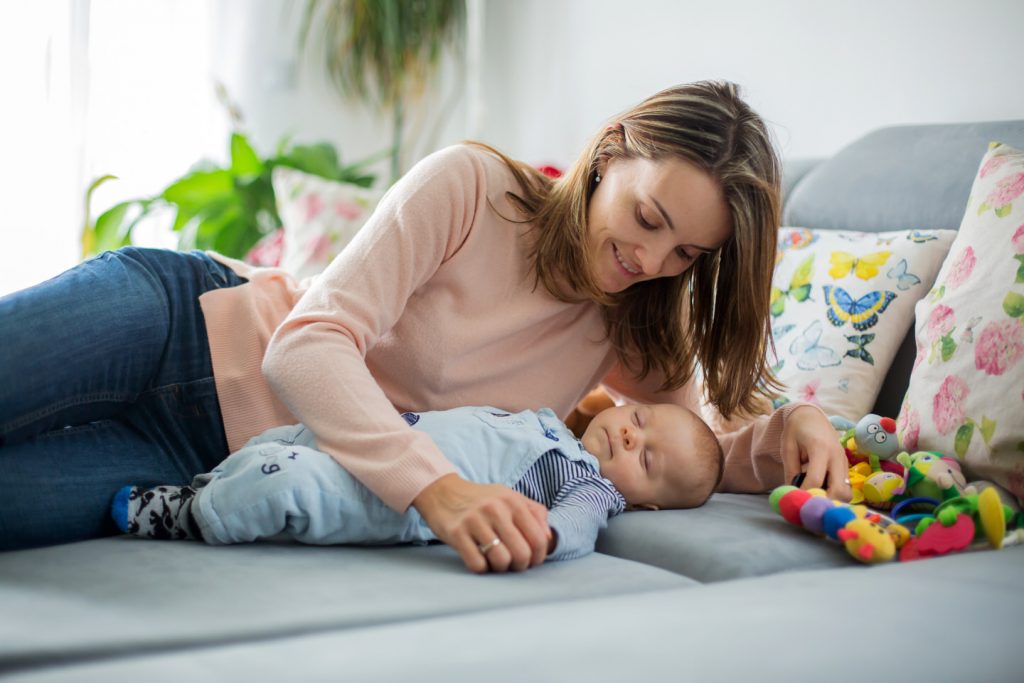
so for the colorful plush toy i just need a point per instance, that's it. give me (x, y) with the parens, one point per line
(863, 533)
(872, 447)
(954, 524)
(932, 475)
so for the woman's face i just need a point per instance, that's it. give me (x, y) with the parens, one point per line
(651, 219)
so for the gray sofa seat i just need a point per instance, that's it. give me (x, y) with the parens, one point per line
(919, 621)
(124, 596)
(731, 536)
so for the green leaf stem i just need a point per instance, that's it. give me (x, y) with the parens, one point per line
(1013, 304)
(963, 438)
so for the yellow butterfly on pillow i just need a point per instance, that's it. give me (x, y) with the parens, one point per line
(799, 287)
(865, 267)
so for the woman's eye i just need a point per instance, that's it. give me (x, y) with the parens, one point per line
(683, 255)
(646, 224)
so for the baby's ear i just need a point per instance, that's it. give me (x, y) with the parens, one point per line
(643, 506)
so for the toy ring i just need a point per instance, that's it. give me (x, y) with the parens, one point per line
(903, 504)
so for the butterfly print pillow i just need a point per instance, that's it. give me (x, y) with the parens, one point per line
(841, 304)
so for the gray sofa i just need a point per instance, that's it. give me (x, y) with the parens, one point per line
(724, 592)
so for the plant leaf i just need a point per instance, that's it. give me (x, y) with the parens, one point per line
(111, 231)
(244, 160)
(1013, 304)
(198, 189)
(1004, 210)
(319, 159)
(963, 439)
(1020, 269)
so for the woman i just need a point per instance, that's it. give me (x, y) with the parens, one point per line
(477, 281)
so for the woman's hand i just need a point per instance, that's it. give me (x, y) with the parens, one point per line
(809, 439)
(469, 516)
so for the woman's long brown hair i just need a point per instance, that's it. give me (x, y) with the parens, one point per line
(716, 314)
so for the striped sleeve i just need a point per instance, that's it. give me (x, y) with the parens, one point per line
(579, 502)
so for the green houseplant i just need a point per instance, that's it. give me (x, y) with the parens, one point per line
(224, 208)
(384, 53)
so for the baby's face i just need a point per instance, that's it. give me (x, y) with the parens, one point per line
(647, 451)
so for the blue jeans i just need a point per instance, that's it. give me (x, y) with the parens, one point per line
(105, 380)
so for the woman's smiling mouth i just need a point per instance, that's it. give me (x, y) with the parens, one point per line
(626, 266)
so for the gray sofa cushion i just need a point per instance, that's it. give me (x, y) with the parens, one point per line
(898, 178)
(943, 620)
(731, 536)
(128, 596)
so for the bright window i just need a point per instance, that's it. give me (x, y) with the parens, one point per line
(91, 88)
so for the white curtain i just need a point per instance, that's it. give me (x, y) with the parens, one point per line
(95, 87)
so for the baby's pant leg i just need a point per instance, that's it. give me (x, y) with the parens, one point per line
(267, 489)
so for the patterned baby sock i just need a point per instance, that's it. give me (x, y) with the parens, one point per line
(163, 512)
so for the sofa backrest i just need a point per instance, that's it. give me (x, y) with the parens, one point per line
(896, 178)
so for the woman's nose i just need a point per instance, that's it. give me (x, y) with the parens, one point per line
(652, 258)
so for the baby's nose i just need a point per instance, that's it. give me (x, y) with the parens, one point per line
(628, 438)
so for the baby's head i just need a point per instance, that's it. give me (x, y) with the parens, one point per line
(658, 456)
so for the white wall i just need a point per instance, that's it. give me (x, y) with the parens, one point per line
(823, 72)
(284, 92)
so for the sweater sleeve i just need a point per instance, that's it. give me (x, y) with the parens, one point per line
(753, 452)
(581, 509)
(316, 360)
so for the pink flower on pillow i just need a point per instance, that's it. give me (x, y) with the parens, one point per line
(311, 205)
(948, 406)
(319, 249)
(922, 351)
(1006, 191)
(999, 347)
(348, 210)
(267, 252)
(940, 322)
(1018, 240)
(992, 164)
(962, 268)
(908, 426)
(809, 392)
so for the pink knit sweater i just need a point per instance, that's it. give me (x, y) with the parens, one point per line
(432, 306)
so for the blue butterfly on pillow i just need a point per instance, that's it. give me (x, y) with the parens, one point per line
(919, 236)
(899, 272)
(859, 350)
(862, 313)
(810, 355)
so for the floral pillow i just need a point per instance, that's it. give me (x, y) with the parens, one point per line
(841, 304)
(966, 393)
(320, 217)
